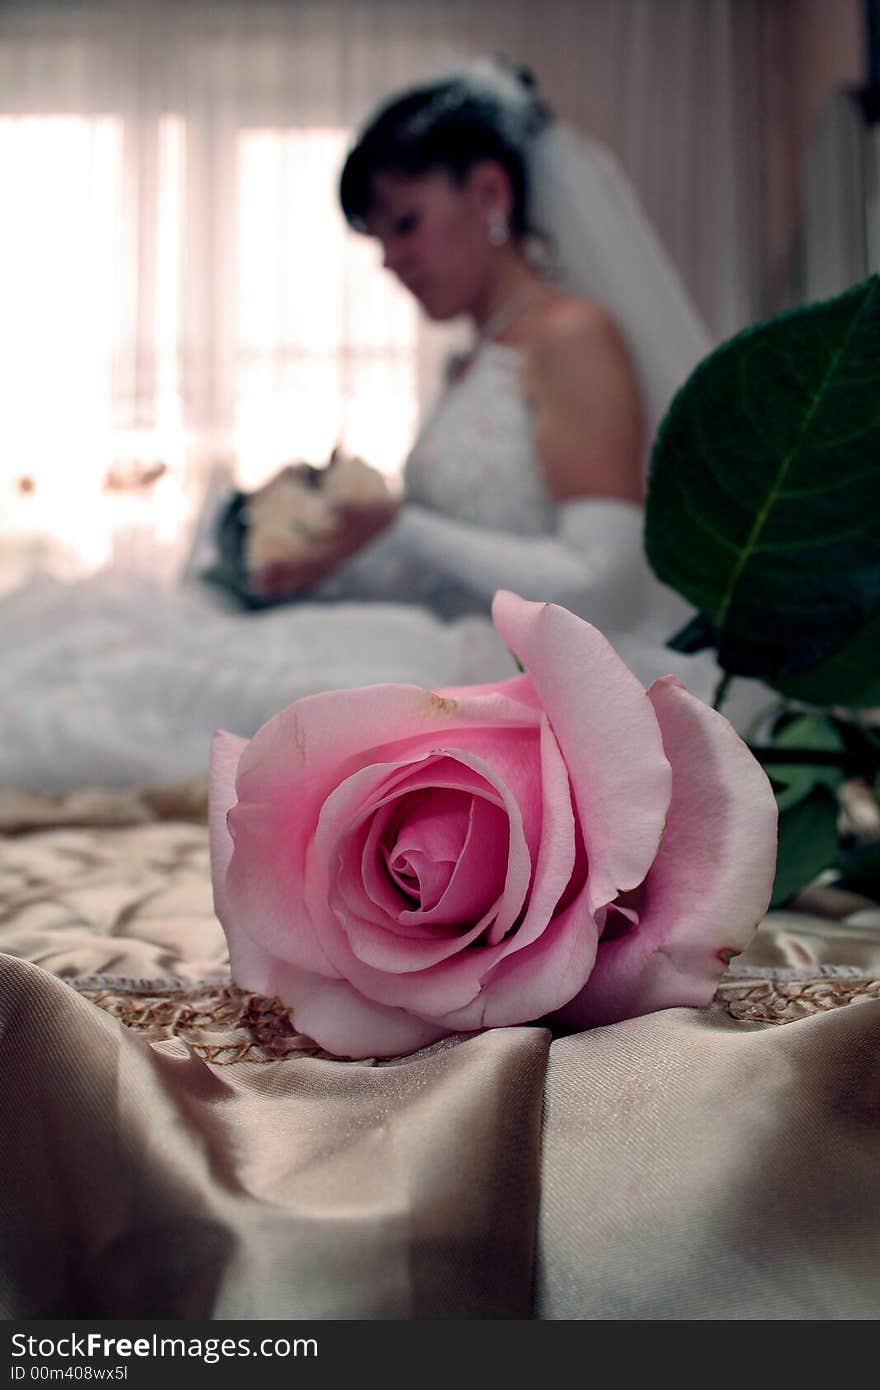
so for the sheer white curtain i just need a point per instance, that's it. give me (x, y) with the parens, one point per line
(178, 288)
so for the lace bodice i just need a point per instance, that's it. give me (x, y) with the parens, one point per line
(475, 460)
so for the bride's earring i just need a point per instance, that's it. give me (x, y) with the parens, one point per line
(499, 231)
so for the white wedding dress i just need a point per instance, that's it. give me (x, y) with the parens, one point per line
(117, 681)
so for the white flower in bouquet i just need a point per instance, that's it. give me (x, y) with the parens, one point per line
(349, 480)
(302, 505)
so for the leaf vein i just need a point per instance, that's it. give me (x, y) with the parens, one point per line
(785, 464)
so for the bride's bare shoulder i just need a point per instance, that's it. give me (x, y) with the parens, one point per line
(580, 380)
(568, 340)
(562, 323)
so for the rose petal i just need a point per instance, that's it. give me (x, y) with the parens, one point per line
(520, 688)
(250, 964)
(478, 903)
(532, 983)
(315, 742)
(334, 1014)
(427, 840)
(226, 750)
(710, 883)
(607, 731)
(345, 824)
(264, 887)
(478, 877)
(452, 983)
(513, 781)
(556, 856)
(515, 759)
(285, 774)
(384, 897)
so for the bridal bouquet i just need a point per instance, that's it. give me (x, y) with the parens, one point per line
(283, 520)
(398, 864)
(764, 511)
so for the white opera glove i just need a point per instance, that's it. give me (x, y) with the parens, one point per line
(594, 564)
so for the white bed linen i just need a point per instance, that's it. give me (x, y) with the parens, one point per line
(116, 681)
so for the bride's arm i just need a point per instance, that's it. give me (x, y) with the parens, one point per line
(594, 563)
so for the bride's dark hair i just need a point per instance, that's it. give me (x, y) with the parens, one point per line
(450, 125)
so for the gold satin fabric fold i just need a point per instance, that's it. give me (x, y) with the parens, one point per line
(138, 1181)
(696, 1168)
(693, 1164)
(803, 940)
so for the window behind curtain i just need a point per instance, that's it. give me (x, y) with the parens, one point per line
(170, 304)
(325, 344)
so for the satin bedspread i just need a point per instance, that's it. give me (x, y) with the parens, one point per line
(202, 1160)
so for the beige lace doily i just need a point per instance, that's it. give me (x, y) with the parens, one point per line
(224, 1024)
(221, 1023)
(775, 1000)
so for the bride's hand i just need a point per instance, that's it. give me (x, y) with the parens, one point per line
(359, 523)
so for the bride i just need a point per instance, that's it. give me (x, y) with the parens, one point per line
(529, 475)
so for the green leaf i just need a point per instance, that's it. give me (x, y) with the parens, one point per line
(860, 870)
(870, 734)
(794, 781)
(850, 677)
(807, 843)
(695, 636)
(764, 496)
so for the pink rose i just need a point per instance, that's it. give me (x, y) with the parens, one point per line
(397, 864)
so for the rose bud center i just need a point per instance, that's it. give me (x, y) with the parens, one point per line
(445, 850)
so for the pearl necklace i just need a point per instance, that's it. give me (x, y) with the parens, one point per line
(508, 312)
